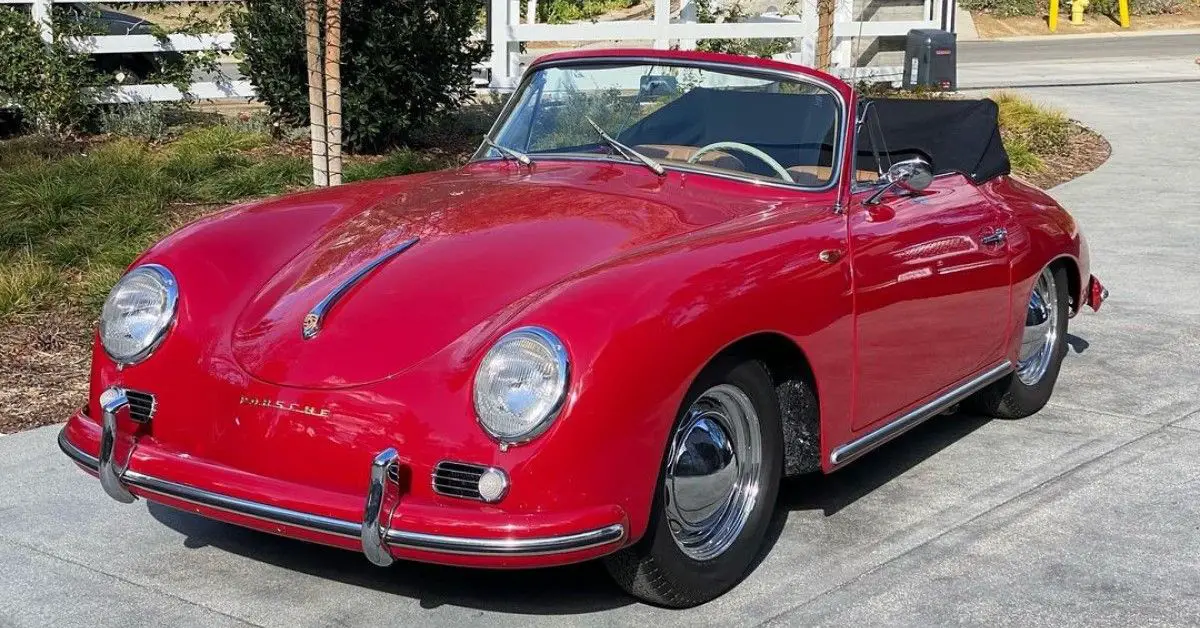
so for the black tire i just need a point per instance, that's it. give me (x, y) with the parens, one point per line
(655, 570)
(1010, 398)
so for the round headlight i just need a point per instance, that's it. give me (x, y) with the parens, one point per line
(520, 385)
(137, 313)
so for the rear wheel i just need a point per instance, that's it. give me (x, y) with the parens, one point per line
(716, 492)
(1043, 346)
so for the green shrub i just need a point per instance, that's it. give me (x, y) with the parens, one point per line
(563, 11)
(53, 85)
(707, 12)
(404, 63)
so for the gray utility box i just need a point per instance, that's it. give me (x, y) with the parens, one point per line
(931, 59)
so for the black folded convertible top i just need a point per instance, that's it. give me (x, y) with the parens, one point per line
(953, 135)
(960, 136)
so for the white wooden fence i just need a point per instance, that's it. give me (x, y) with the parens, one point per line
(506, 31)
(125, 44)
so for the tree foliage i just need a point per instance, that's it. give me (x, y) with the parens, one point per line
(404, 63)
(51, 83)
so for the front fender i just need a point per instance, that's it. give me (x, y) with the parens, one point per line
(641, 330)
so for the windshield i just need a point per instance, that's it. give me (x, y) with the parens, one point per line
(715, 120)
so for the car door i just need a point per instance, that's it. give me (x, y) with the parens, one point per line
(931, 284)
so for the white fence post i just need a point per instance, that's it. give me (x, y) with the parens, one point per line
(501, 42)
(687, 15)
(514, 47)
(40, 11)
(843, 48)
(808, 44)
(531, 12)
(662, 23)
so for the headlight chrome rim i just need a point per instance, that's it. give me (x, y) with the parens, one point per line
(563, 363)
(171, 288)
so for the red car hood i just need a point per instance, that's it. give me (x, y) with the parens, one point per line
(486, 241)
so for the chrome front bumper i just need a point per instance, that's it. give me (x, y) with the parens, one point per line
(375, 534)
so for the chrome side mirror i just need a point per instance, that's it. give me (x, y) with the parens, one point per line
(912, 175)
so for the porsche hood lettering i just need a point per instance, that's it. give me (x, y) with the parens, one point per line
(275, 404)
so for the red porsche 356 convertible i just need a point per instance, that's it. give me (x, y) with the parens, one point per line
(665, 281)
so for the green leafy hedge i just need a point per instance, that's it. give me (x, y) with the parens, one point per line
(51, 84)
(404, 62)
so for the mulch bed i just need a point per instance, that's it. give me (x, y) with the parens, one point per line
(1085, 151)
(46, 356)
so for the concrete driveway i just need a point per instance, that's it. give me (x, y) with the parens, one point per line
(1085, 514)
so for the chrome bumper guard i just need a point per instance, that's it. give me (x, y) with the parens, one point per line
(373, 533)
(112, 401)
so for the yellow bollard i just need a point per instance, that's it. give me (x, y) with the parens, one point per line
(1077, 7)
(1054, 15)
(1124, 7)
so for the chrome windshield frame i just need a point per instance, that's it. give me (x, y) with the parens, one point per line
(481, 154)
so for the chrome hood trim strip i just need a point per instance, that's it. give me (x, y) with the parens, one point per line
(535, 546)
(316, 316)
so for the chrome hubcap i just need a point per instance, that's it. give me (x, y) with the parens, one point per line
(712, 478)
(1041, 330)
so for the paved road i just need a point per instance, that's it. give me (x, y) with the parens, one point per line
(1038, 49)
(1085, 514)
(1079, 60)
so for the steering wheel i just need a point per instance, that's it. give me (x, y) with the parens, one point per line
(748, 149)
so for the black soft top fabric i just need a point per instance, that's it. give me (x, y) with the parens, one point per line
(960, 136)
(794, 129)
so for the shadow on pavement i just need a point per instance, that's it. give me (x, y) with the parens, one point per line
(566, 590)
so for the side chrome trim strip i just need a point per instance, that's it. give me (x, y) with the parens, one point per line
(915, 417)
(316, 316)
(507, 547)
(536, 546)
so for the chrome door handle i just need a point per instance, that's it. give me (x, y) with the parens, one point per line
(997, 237)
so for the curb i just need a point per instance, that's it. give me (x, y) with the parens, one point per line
(1053, 37)
(1079, 83)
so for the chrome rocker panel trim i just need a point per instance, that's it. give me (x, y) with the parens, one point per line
(538, 546)
(915, 417)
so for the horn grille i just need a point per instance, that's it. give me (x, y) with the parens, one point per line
(458, 479)
(141, 405)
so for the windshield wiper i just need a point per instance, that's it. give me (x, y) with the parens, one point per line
(626, 151)
(508, 153)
